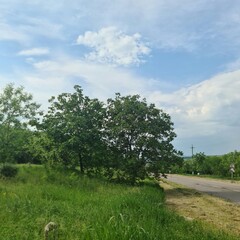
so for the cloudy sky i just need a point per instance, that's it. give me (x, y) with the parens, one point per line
(182, 55)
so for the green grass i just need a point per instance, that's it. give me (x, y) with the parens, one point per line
(87, 208)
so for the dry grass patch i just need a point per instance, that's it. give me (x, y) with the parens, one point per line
(199, 206)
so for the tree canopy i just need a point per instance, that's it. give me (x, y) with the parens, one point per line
(74, 123)
(17, 110)
(140, 135)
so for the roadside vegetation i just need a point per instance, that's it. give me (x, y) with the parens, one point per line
(211, 166)
(89, 208)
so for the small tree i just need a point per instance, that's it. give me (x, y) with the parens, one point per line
(189, 166)
(74, 123)
(200, 159)
(17, 109)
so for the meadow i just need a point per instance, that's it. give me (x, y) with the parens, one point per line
(90, 208)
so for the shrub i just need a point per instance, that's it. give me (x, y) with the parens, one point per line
(8, 171)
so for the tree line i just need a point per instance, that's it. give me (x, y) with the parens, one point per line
(124, 139)
(211, 165)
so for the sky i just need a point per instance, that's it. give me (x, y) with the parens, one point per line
(181, 55)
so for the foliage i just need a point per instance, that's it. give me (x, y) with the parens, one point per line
(17, 110)
(40, 149)
(139, 136)
(124, 139)
(213, 165)
(189, 166)
(8, 171)
(73, 125)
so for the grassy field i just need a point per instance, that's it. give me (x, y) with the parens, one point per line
(87, 208)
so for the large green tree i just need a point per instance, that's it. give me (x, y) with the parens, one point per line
(139, 136)
(74, 123)
(17, 110)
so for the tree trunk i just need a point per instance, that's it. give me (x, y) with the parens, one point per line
(81, 163)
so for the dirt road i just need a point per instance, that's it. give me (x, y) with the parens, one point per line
(220, 188)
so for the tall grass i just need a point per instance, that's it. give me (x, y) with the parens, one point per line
(87, 208)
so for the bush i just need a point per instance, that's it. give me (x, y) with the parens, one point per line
(8, 171)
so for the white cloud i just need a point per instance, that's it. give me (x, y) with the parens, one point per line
(100, 81)
(34, 52)
(52, 77)
(205, 114)
(43, 87)
(204, 109)
(36, 27)
(113, 46)
(8, 32)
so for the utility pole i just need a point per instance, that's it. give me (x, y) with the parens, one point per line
(192, 147)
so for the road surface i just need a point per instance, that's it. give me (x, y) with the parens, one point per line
(220, 188)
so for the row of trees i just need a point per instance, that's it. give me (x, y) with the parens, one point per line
(211, 165)
(125, 138)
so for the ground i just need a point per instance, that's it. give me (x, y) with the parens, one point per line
(202, 207)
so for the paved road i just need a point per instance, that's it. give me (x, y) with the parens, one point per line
(219, 188)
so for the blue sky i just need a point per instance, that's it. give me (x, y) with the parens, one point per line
(184, 56)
